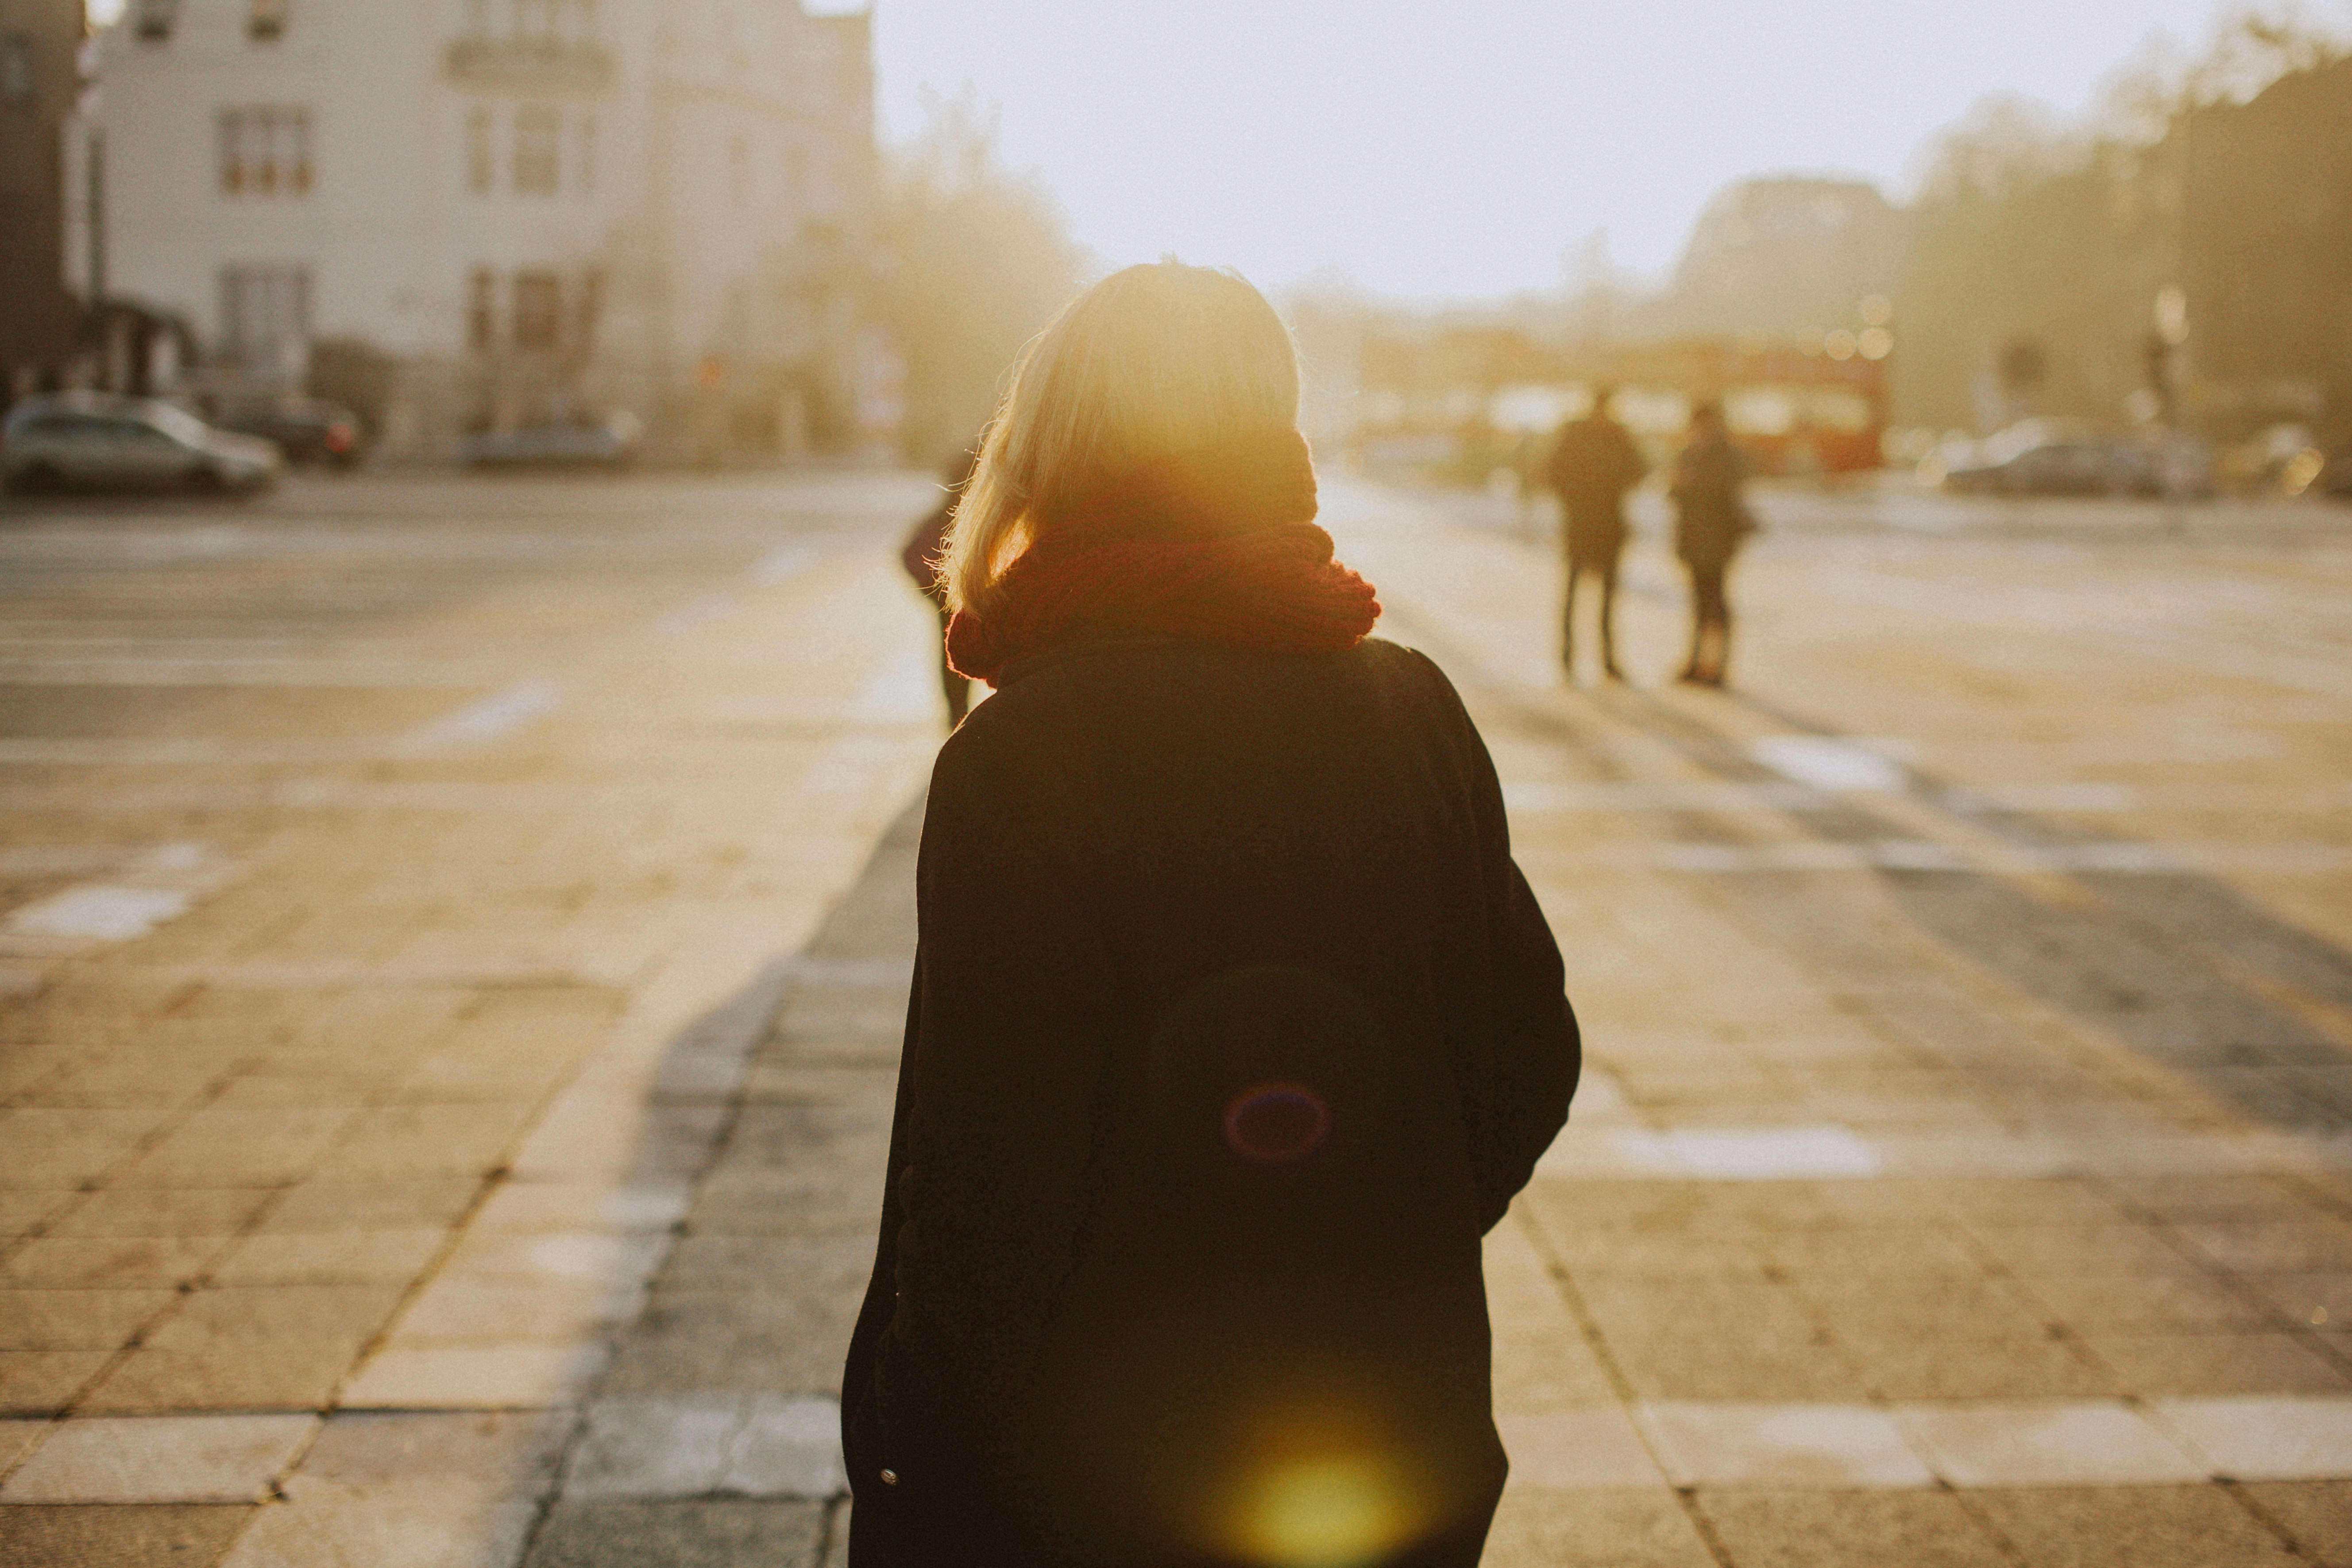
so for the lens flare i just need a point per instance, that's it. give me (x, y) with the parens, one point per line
(1273, 1123)
(1333, 1512)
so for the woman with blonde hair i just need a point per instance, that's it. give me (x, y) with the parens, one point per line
(1233, 1027)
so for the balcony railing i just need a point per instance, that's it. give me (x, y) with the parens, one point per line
(538, 61)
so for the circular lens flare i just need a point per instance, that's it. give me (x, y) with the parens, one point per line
(1325, 1514)
(1276, 1123)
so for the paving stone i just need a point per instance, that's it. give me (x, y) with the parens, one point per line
(788, 1448)
(2178, 1300)
(2131, 1527)
(22, 1210)
(1627, 1528)
(42, 1382)
(474, 1377)
(1723, 1364)
(2307, 1245)
(583, 1206)
(464, 1309)
(2312, 1298)
(159, 1459)
(2266, 1440)
(116, 1537)
(698, 1534)
(654, 1447)
(117, 1263)
(400, 1528)
(385, 1256)
(294, 1372)
(1849, 1530)
(75, 1320)
(2163, 1365)
(2025, 1445)
(162, 1212)
(1567, 1450)
(1536, 1371)
(1821, 1445)
(757, 1343)
(2317, 1514)
(2081, 1250)
(17, 1439)
(366, 1205)
(2026, 1365)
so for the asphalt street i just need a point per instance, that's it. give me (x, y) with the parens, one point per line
(453, 935)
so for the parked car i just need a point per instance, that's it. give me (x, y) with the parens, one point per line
(557, 445)
(307, 429)
(2050, 456)
(87, 440)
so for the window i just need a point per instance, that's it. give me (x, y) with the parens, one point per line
(583, 155)
(265, 151)
(537, 157)
(481, 158)
(15, 69)
(265, 20)
(481, 310)
(155, 19)
(265, 316)
(538, 312)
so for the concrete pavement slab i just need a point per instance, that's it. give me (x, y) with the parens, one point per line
(71, 1537)
(2028, 1445)
(2265, 1439)
(2131, 1527)
(1790, 1445)
(2316, 1515)
(1619, 1529)
(686, 1534)
(1831, 1529)
(1577, 1449)
(527, 1376)
(159, 1459)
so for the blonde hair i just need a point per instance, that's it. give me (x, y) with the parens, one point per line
(1153, 361)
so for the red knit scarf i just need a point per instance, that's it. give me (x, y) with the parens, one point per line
(1215, 546)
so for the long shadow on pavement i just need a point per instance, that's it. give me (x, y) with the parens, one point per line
(713, 1437)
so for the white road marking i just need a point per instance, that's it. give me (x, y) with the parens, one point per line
(100, 912)
(1835, 766)
(493, 718)
(1752, 1153)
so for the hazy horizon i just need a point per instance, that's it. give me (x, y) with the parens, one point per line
(1429, 154)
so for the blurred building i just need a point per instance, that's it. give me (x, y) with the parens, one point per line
(2265, 256)
(1783, 259)
(39, 41)
(485, 213)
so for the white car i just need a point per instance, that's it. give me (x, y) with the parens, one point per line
(87, 440)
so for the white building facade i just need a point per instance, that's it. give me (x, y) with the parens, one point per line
(516, 209)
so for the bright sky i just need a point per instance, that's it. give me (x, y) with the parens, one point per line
(1431, 149)
(1438, 150)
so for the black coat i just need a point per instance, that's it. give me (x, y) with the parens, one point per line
(1233, 1028)
(1593, 463)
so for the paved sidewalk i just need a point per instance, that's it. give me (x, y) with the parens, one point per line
(1963, 1177)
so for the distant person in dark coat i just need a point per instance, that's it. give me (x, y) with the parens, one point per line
(1593, 463)
(1234, 1025)
(921, 555)
(1711, 520)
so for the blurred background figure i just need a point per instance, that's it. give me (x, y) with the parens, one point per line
(922, 556)
(1593, 463)
(1711, 519)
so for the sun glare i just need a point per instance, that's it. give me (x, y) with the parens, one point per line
(1333, 1512)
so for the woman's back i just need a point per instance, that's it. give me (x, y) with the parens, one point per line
(1233, 1027)
(1258, 912)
